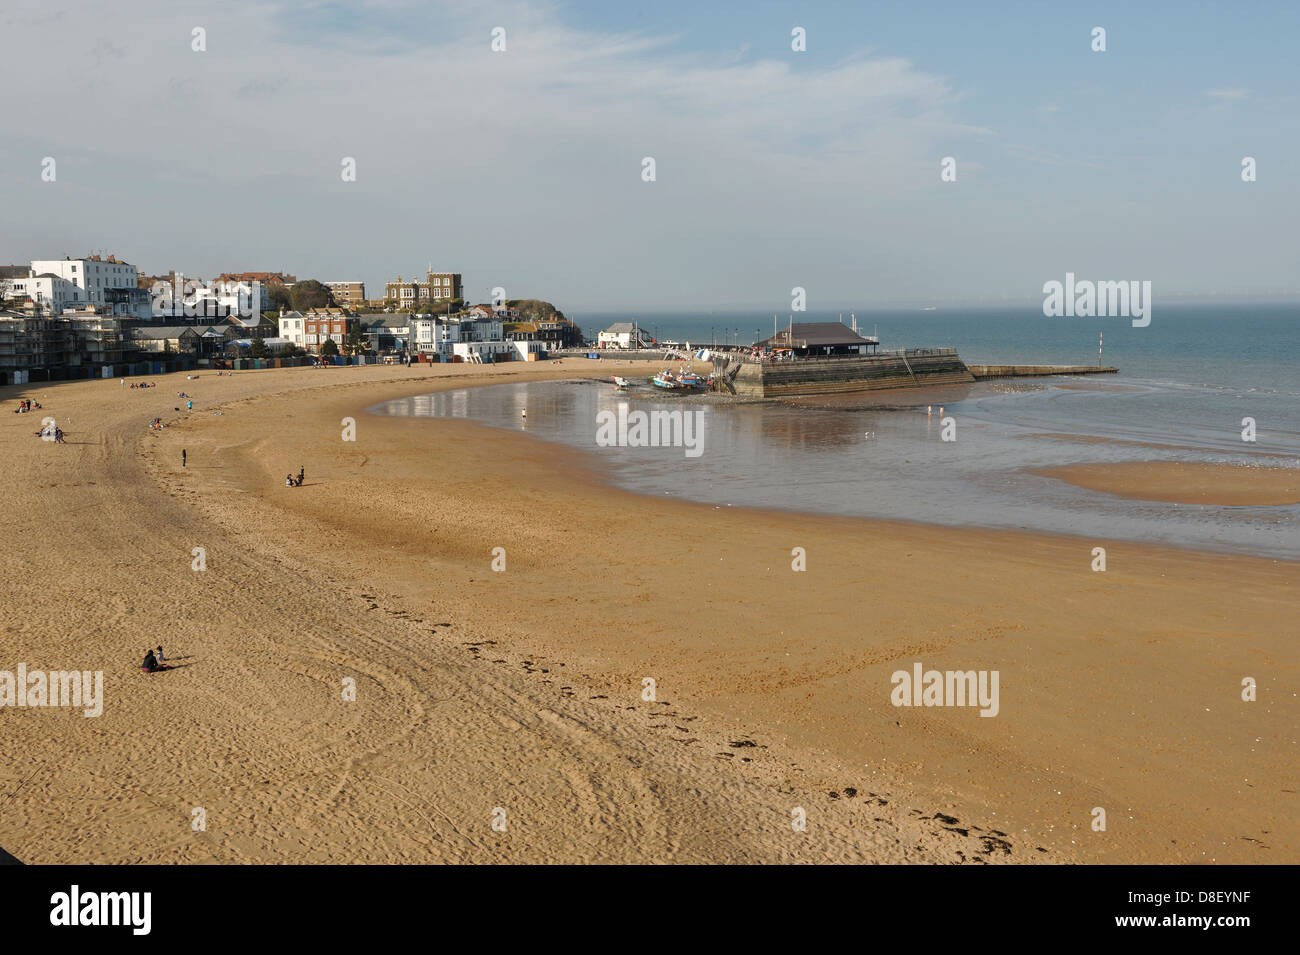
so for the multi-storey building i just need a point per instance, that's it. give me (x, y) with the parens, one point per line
(348, 294)
(433, 336)
(325, 324)
(438, 287)
(49, 291)
(293, 327)
(485, 329)
(554, 334)
(104, 281)
(390, 333)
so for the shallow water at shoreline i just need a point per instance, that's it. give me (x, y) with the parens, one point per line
(887, 459)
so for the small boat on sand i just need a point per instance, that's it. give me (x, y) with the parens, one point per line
(620, 382)
(667, 381)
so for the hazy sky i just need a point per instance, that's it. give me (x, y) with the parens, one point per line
(774, 168)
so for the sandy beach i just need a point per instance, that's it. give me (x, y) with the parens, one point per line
(515, 696)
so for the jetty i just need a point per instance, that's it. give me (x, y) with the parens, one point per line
(906, 368)
(825, 358)
(1035, 371)
(822, 358)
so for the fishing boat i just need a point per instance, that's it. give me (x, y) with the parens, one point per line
(694, 381)
(669, 382)
(620, 382)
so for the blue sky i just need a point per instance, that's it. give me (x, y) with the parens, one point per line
(774, 168)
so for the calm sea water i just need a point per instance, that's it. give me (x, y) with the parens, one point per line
(1185, 384)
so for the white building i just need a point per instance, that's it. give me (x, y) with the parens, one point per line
(485, 351)
(623, 335)
(293, 328)
(48, 291)
(489, 329)
(433, 336)
(95, 276)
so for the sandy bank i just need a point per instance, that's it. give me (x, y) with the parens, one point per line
(1186, 483)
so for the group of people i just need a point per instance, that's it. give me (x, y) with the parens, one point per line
(140, 384)
(154, 661)
(291, 481)
(156, 424)
(51, 432)
(27, 405)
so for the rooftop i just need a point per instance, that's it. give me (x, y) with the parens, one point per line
(818, 335)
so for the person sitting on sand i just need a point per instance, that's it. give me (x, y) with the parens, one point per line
(151, 664)
(288, 480)
(159, 654)
(301, 473)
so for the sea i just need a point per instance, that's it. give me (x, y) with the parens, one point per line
(1187, 383)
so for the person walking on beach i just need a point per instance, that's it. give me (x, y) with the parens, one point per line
(182, 457)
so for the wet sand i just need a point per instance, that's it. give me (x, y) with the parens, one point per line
(518, 694)
(1225, 485)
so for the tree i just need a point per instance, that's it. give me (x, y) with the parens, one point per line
(355, 343)
(535, 310)
(310, 294)
(276, 296)
(330, 348)
(258, 349)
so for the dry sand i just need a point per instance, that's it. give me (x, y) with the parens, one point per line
(521, 690)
